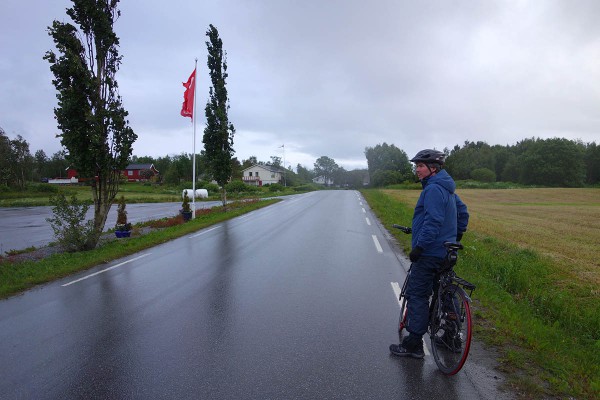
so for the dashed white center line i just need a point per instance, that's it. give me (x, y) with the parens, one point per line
(364, 210)
(377, 245)
(368, 222)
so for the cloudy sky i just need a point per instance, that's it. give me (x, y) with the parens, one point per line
(329, 77)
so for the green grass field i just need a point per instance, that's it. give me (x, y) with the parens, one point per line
(533, 255)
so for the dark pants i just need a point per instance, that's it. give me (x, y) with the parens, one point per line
(418, 291)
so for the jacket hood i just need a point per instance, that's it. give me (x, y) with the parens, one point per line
(443, 179)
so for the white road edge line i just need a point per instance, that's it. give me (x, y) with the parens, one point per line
(377, 245)
(107, 269)
(368, 222)
(364, 210)
(203, 232)
(397, 291)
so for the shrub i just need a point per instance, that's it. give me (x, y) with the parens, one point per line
(305, 188)
(239, 187)
(185, 205)
(42, 187)
(275, 187)
(122, 224)
(68, 222)
(483, 175)
(210, 187)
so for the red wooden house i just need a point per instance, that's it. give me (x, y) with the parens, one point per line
(133, 172)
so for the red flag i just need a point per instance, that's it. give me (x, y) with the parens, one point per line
(187, 110)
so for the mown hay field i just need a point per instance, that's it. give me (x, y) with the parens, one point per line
(563, 224)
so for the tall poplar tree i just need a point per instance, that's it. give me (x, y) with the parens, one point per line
(90, 115)
(218, 134)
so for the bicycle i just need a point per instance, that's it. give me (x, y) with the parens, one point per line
(450, 324)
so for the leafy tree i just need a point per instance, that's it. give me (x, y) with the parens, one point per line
(142, 160)
(5, 156)
(386, 177)
(384, 157)
(304, 175)
(90, 115)
(553, 162)
(218, 134)
(473, 155)
(58, 164)
(502, 154)
(20, 161)
(357, 178)
(236, 168)
(171, 175)
(41, 163)
(275, 161)
(325, 167)
(252, 160)
(592, 163)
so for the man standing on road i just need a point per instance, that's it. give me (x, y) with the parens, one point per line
(440, 216)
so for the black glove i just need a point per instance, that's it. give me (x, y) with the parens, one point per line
(415, 254)
(459, 237)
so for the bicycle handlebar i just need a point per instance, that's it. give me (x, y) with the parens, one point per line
(404, 229)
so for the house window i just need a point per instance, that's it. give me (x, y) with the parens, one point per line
(272, 175)
(256, 173)
(130, 173)
(249, 173)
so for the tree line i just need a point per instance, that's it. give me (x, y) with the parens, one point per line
(555, 162)
(545, 162)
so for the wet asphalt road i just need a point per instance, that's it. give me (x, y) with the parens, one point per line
(22, 227)
(293, 301)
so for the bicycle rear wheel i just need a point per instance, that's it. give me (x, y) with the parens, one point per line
(451, 330)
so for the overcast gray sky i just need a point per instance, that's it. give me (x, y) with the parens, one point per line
(329, 77)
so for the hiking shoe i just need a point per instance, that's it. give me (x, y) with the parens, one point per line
(452, 344)
(400, 351)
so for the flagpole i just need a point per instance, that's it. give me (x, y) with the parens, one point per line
(284, 179)
(194, 147)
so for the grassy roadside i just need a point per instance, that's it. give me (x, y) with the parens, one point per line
(16, 277)
(544, 323)
(134, 192)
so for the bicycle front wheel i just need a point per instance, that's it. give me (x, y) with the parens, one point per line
(451, 329)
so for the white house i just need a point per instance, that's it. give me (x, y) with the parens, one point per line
(259, 175)
(321, 180)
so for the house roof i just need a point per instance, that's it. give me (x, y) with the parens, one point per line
(270, 168)
(140, 166)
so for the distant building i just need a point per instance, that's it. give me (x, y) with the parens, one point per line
(321, 180)
(133, 173)
(259, 175)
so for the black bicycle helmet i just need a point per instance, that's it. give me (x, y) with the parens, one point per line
(429, 156)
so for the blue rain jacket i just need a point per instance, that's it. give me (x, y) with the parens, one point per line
(439, 215)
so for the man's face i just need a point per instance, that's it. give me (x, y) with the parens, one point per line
(423, 171)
